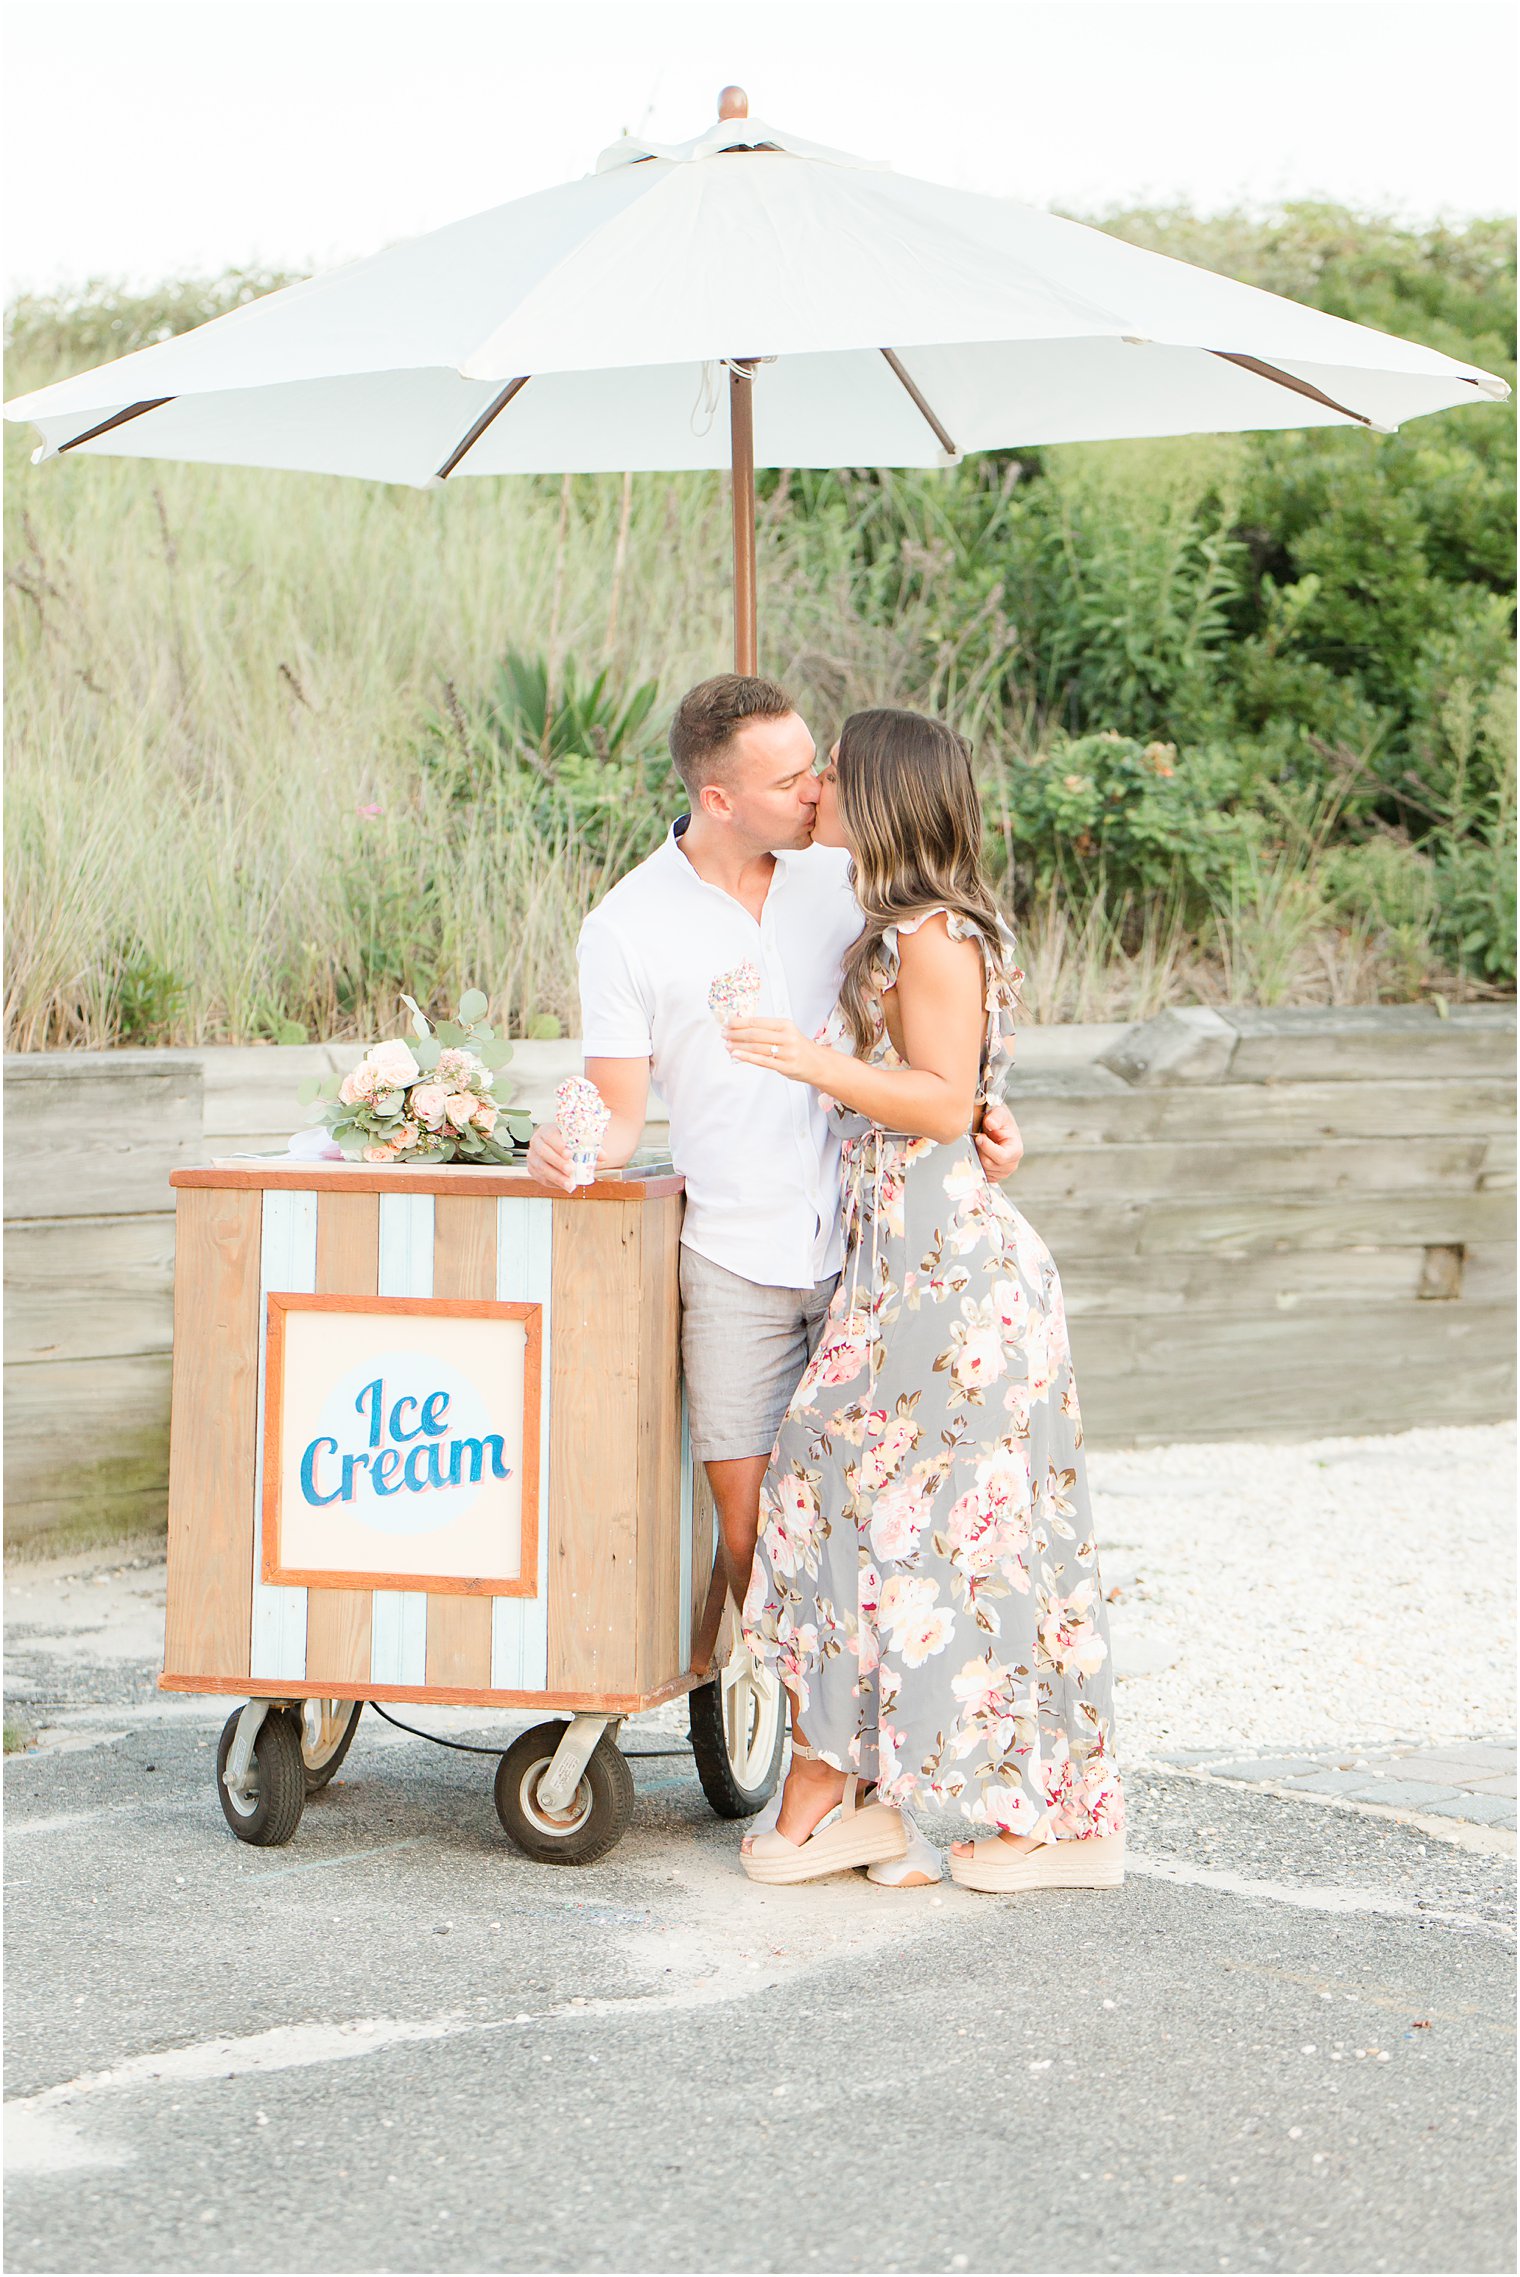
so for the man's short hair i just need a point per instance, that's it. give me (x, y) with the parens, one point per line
(708, 717)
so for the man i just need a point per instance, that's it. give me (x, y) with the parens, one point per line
(738, 881)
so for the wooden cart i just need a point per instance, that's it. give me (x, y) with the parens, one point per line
(556, 1439)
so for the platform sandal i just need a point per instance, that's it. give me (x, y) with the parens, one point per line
(1097, 1863)
(853, 1833)
(918, 1868)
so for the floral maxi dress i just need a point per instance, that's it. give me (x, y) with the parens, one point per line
(927, 1578)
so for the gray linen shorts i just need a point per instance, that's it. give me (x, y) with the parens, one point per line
(743, 1348)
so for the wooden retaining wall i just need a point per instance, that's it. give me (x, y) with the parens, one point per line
(1269, 1225)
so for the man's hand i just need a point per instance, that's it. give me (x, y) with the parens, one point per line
(999, 1142)
(549, 1158)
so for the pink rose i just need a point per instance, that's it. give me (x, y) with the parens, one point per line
(428, 1104)
(378, 1154)
(459, 1107)
(486, 1112)
(394, 1066)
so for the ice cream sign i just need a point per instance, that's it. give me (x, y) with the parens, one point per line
(401, 1444)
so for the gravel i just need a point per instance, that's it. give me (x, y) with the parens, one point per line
(1349, 1593)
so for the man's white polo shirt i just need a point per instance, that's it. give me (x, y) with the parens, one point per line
(760, 1160)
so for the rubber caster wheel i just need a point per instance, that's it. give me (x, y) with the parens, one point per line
(268, 1811)
(596, 1816)
(738, 1733)
(327, 1734)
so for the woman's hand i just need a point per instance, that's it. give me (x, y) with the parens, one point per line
(778, 1045)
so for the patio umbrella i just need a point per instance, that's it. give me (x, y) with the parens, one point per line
(851, 316)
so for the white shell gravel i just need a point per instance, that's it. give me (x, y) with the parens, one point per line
(1336, 1593)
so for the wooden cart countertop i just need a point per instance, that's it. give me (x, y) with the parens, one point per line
(281, 1173)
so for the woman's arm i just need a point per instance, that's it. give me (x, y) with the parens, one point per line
(940, 1000)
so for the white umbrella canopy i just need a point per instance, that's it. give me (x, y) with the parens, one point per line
(863, 318)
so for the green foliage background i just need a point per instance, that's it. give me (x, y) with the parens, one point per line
(1243, 704)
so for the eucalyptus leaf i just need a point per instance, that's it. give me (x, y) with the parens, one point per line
(496, 1055)
(420, 1025)
(425, 1053)
(473, 1005)
(308, 1089)
(449, 1032)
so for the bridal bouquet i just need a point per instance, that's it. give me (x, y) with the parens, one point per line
(429, 1100)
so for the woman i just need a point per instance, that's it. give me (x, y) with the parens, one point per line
(927, 1585)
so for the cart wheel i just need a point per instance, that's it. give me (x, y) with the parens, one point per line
(269, 1811)
(598, 1812)
(738, 1731)
(327, 1734)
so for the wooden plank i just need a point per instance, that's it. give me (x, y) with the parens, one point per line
(1308, 1282)
(1100, 1230)
(661, 1643)
(86, 1446)
(348, 1264)
(1145, 1383)
(1164, 1171)
(1059, 1112)
(464, 1265)
(459, 1641)
(593, 1442)
(441, 1695)
(704, 1550)
(212, 1462)
(1342, 1044)
(524, 1275)
(398, 1617)
(94, 1134)
(1498, 1173)
(1488, 1274)
(363, 1178)
(288, 1262)
(88, 1288)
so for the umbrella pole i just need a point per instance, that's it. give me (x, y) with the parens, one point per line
(741, 422)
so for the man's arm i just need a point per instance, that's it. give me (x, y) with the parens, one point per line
(999, 1142)
(624, 1086)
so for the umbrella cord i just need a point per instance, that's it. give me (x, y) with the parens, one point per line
(462, 1747)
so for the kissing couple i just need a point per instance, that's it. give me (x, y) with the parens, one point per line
(874, 1340)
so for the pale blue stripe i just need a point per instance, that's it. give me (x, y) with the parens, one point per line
(287, 1261)
(398, 1617)
(688, 1522)
(524, 1268)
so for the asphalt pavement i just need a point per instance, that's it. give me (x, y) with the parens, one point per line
(1286, 2044)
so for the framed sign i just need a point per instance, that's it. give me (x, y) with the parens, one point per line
(401, 1439)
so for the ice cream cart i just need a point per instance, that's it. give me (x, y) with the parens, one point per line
(428, 1445)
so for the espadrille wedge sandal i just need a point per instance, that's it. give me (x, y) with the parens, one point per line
(1094, 1864)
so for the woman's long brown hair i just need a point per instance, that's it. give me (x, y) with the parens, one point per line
(908, 802)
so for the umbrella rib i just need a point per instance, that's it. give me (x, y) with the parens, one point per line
(1286, 379)
(941, 432)
(119, 419)
(482, 423)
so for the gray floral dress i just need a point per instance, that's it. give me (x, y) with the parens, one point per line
(927, 1577)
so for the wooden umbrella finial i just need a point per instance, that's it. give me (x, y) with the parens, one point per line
(733, 103)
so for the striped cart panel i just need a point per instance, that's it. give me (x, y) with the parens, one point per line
(686, 1613)
(625, 1526)
(398, 1623)
(288, 1261)
(524, 1275)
